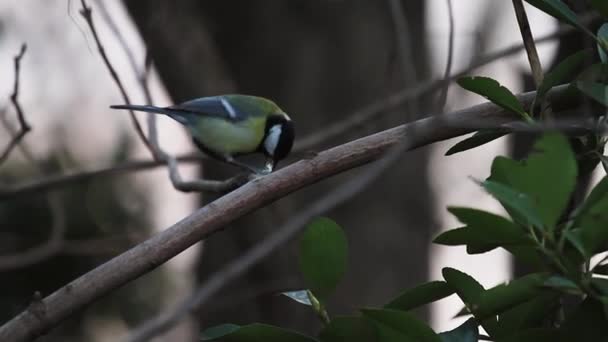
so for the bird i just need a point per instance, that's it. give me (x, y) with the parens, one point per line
(227, 126)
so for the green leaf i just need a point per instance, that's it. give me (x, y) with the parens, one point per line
(484, 231)
(421, 295)
(253, 333)
(467, 288)
(323, 256)
(562, 284)
(518, 202)
(597, 72)
(560, 11)
(466, 332)
(496, 93)
(464, 236)
(599, 193)
(469, 291)
(590, 235)
(480, 137)
(528, 254)
(503, 297)
(547, 177)
(348, 328)
(596, 91)
(300, 296)
(602, 36)
(586, 323)
(399, 326)
(529, 314)
(563, 72)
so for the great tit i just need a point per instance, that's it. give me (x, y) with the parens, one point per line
(226, 126)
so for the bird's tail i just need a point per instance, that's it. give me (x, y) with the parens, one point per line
(144, 108)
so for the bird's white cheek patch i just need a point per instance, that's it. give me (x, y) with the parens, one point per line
(272, 139)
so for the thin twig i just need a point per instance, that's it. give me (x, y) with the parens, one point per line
(443, 96)
(140, 73)
(379, 107)
(526, 34)
(171, 162)
(53, 182)
(58, 225)
(24, 126)
(403, 42)
(260, 192)
(87, 14)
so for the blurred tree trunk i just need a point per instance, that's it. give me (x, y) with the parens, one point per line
(320, 60)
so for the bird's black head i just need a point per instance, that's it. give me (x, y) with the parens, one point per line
(278, 137)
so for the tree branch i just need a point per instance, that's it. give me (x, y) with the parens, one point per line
(87, 14)
(443, 96)
(379, 107)
(526, 34)
(24, 126)
(403, 43)
(251, 196)
(141, 74)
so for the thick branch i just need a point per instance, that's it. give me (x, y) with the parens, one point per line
(253, 195)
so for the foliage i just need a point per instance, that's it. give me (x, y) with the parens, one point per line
(545, 228)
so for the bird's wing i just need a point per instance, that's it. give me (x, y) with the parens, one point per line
(215, 106)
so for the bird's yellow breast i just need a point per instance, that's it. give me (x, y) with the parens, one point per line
(225, 137)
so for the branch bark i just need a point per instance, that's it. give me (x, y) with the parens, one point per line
(253, 195)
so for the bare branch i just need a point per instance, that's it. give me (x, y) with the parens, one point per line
(379, 107)
(443, 96)
(24, 126)
(53, 182)
(159, 153)
(526, 34)
(251, 196)
(87, 14)
(403, 42)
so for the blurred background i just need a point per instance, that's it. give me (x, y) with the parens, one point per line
(322, 61)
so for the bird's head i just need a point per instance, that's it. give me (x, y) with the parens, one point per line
(278, 138)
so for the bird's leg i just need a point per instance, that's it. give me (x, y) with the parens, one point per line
(231, 160)
(269, 166)
(225, 158)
